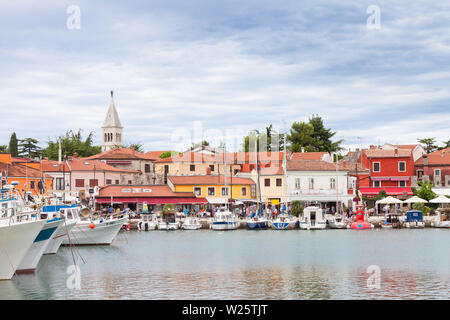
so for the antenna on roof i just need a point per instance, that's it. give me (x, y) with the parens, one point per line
(112, 92)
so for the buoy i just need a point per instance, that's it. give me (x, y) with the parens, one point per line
(92, 226)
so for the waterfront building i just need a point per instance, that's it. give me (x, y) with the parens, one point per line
(60, 173)
(435, 167)
(112, 128)
(130, 159)
(156, 196)
(216, 189)
(318, 181)
(26, 174)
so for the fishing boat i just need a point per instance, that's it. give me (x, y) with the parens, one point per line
(91, 230)
(224, 220)
(148, 221)
(283, 222)
(312, 218)
(17, 233)
(69, 214)
(392, 220)
(414, 219)
(191, 223)
(359, 220)
(337, 222)
(168, 222)
(31, 259)
(441, 220)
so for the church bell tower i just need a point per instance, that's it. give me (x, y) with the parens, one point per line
(112, 128)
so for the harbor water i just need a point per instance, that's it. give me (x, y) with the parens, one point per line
(242, 264)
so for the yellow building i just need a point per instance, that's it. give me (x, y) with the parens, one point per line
(214, 188)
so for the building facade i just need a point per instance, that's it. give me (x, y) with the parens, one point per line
(112, 129)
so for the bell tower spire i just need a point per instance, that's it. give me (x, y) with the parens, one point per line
(112, 128)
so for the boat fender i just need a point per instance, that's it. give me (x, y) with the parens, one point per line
(92, 226)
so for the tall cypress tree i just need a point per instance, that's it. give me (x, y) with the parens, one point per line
(13, 145)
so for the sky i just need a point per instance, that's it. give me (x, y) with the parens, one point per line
(182, 71)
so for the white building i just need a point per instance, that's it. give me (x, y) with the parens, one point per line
(112, 128)
(318, 181)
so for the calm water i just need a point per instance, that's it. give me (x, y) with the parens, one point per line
(241, 264)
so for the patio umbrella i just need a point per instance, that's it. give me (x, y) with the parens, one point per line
(389, 200)
(415, 199)
(440, 199)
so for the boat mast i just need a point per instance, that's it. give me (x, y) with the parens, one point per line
(285, 174)
(257, 172)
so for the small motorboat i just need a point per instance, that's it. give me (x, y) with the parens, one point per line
(441, 220)
(313, 219)
(391, 221)
(169, 222)
(336, 222)
(414, 219)
(360, 222)
(224, 220)
(257, 222)
(148, 221)
(191, 223)
(283, 222)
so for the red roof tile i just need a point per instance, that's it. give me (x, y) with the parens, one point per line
(313, 165)
(21, 170)
(86, 164)
(121, 153)
(210, 180)
(440, 157)
(141, 191)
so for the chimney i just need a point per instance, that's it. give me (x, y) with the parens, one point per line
(425, 160)
(69, 158)
(396, 152)
(75, 155)
(303, 150)
(208, 171)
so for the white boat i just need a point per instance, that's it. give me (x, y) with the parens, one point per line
(224, 220)
(70, 217)
(191, 223)
(337, 222)
(283, 222)
(100, 231)
(441, 220)
(312, 218)
(169, 222)
(414, 219)
(31, 259)
(148, 221)
(391, 221)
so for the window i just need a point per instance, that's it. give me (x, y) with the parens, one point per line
(93, 183)
(117, 181)
(224, 191)
(402, 184)
(211, 166)
(402, 166)
(32, 185)
(253, 191)
(332, 183)
(419, 174)
(79, 183)
(211, 191)
(236, 171)
(129, 181)
(267, 182)
(376, 167)
(311, 183)
(108, 181)
(192, 167)
(166, 168)
(59, 184)
(437, 172)
(297, 183)
(147, 168)
(198, 191)
(377, 184)
(244, 191)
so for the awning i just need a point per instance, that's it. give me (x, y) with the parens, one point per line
(389, 191)
(149, 200)
(217, 200)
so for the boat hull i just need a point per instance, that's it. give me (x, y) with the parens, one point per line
(361, 226)
(286, 225)
(191, 226)
(257, 225)
(316, 226)
(414, 224)
(224, 225)
(16, 240)
(102, 234)
(59, 236)
(31, 260)
(147, 225)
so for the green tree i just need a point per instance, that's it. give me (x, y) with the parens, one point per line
(300, 137)
(13, 145)
(322, 136)
(198, 144)
(3, 148)
(446, 144)
(167, 154)
(429, 144)
(71, 143)
(136, 146)
(168, 208)
(425, 191)
(297, 208)
(28, 147)
(271, 140)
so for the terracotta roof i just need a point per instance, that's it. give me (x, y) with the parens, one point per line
(155, 154)
(380, 153)
(313, 165)
(53, 166)
(307, 155)
(229, 157)
(210, 180)
(86, 164)
(271, 171)
(21, 170)
(121, 153)
(440, 157)
(141, 191)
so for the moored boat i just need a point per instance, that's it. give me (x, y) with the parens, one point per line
(312, 218)
(360, 222)
(441, 220)
(69, 214)
(224, 220)
(283, 222)
(336, 222)
(391, 221)
(148, 221)
(191, 223)
(414, 219)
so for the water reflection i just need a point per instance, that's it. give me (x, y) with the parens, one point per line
(244, 265)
